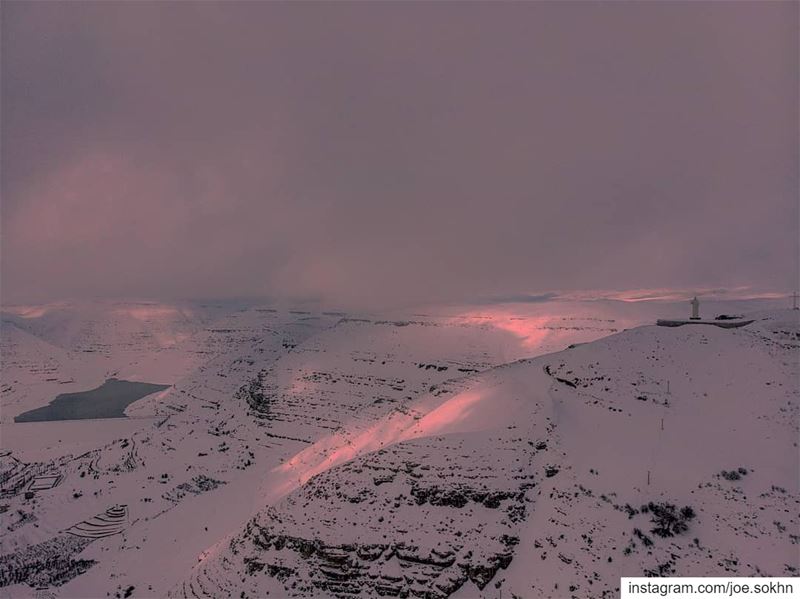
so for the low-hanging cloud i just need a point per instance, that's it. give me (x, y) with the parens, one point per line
(396, 153)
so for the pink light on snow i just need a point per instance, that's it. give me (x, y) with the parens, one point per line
(530, 330)
(429, 417)
(445, 416)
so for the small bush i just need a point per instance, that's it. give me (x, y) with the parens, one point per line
(646, 541)
(733, 474)
(668, 520)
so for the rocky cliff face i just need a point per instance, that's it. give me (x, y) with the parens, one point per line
(323, 456)
(549, 477)
(419, 518)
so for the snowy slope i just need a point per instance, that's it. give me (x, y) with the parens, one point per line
(531, 480)
(115, 329)
(35, 371)
(150, 341)
(93, 341)
(72, 347)
(156, 468)
(272, 384)
(434, 440)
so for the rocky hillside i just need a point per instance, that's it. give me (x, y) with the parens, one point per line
(651, 452)
(213, 449)
(325, 454)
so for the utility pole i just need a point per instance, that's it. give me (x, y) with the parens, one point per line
(795, 296)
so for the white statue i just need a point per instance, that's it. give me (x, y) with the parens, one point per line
(695, 308)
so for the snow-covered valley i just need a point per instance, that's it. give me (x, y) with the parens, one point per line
(528, 450)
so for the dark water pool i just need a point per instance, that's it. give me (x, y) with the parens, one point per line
(109, 400)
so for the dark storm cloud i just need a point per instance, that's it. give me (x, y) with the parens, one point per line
(391, 153)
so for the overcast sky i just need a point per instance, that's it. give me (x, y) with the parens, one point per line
(392, 153)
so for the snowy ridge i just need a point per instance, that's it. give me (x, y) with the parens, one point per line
(312, 453)
(594, 488)
(272, 384)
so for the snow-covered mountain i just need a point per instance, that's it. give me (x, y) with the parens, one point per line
(654, 451)
(310, 453)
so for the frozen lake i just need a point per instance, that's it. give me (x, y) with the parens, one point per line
(109, 400)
